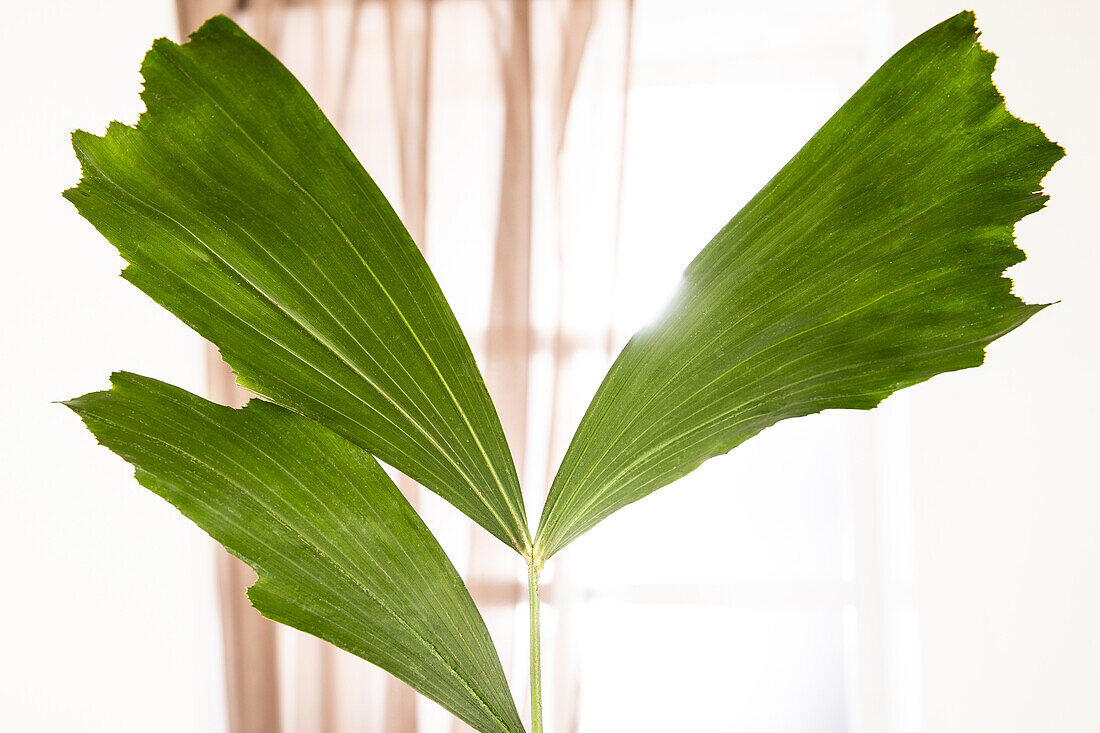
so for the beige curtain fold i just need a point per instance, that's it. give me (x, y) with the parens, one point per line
(409, 27)
(576, 26)
(540, 86)
(492, 574)
(248, 639)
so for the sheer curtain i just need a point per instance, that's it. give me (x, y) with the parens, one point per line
(466, 113)
(557, 224)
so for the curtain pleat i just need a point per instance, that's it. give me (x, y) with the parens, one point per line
(508, 340)
(248, 639)
(409, 30)
(492, 574)
(575, 30)
(538, 64)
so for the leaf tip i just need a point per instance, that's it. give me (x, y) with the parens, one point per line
(216, 26)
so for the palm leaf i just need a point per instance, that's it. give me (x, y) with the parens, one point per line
(338, 550)
(241, 210)
(872, 261)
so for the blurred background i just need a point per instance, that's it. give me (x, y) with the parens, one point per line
(932, 566)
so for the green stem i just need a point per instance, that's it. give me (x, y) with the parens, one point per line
(533, 570)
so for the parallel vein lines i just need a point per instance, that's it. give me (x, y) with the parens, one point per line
(303, 325)
(149, 437)
(320, 207)
(704, 292)
(872, 261)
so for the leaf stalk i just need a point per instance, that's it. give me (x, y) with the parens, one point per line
(534, 569)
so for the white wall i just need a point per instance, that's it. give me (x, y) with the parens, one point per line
(107, 610)
(1005, 484)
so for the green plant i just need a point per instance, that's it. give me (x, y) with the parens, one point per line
(872, 261)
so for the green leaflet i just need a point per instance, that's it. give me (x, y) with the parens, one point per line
(339, 552)
(243, 212)
(872, 261)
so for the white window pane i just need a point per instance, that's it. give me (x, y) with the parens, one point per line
(772, 511)
(759, 669)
